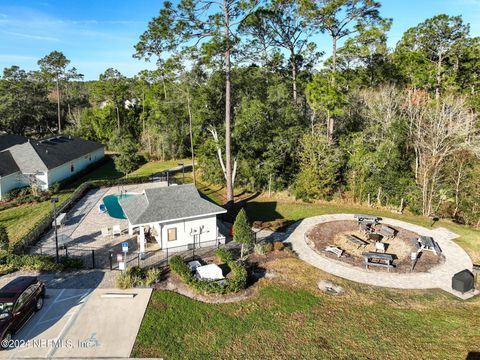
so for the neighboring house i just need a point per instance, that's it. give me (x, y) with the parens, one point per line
(25, 162)
(177, 216)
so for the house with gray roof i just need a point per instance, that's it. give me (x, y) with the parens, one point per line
(177, 216)
(42, 163)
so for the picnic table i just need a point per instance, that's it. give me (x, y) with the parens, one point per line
(61, 219)
(427, 243)
(372, 219)
(378, 259)
(374, 237)
(388, 231)
(356, 240)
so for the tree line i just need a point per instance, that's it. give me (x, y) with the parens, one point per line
(243, 87)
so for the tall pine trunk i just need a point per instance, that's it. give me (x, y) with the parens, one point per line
(58, 108)
(228, 114)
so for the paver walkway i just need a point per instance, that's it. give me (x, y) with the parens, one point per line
(456, 259)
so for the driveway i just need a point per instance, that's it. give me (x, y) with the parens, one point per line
(82, 323)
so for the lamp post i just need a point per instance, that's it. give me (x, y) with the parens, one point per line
(183, 172)
(54, 201)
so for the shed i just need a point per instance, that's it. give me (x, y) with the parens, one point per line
(210, 272)
(463, 281)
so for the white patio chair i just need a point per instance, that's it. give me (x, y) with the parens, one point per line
(105, 232)
(116, 230)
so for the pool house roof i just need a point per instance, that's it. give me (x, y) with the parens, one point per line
(166, 204)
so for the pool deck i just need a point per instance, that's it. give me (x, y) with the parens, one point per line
(84, 221)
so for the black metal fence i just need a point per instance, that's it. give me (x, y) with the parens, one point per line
(110, 258)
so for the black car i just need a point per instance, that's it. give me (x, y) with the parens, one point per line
(19, 299)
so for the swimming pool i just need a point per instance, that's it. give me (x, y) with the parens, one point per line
(113, 206)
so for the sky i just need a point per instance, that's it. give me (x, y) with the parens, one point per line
(98, 34)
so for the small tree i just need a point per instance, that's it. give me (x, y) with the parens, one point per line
(4, 242)
(127, 159)
(242, 232)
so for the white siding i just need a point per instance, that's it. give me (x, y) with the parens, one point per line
(64, 171)
(10, 182)
(184, 228)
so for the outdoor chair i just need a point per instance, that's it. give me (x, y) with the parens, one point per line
(116, 230)
(105, 232)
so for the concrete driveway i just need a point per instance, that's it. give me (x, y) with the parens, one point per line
(82, 323)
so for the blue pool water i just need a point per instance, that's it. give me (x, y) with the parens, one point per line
(113, 206)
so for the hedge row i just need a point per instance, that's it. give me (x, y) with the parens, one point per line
(237, 282)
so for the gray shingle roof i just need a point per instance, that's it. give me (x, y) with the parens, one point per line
(7, 164)
(7, 141)
(42, 155)
(167, 203)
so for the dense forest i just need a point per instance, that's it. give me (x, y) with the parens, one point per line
(243, 86)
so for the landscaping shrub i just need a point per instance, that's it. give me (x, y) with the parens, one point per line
(4, 241)
(32, 263)
(278, 246)
(235, 283)
(152, 276)
(136, 276)
(242, 232)
(259, 249)
(178, 266)
(70, 263)
(223, 255)
(268, 247)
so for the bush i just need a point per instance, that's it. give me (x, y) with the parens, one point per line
(278, 246)
(223, 255)
(259, 249)
(237, 281)
(178, 266)
(268, 247)
(70, 263)
(125, 281)
(4, 241)
(152, 276)
(33, 263)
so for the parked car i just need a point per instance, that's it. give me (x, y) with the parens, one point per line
(19, 299)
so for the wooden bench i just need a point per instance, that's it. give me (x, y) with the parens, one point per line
(335, 250)
(366, 228)
(356, 240)
(388, 232)
(379, 260)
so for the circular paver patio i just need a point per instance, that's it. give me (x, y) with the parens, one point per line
(456, 259)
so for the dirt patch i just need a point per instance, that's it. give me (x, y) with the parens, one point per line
(334, 233)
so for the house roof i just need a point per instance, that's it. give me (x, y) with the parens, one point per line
(7, 141)
(7, 164)
(46, 154)
(167, 203)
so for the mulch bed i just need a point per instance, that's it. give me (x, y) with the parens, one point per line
(333, 233)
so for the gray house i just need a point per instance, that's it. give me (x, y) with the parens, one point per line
(177, 216)
(25, 161)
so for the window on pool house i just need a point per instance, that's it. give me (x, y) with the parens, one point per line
(172, 234)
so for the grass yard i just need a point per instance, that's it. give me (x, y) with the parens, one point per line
(154, 167)
(290, 318)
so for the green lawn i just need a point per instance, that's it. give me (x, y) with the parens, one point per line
(154, 167)
(290, 318)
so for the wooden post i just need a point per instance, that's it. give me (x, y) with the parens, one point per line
(401, 207)
(369, 204)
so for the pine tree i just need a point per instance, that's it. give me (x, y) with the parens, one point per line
(242, 232)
